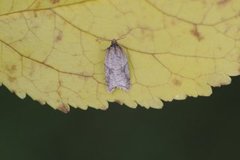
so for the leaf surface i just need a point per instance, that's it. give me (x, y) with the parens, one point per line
(54, 50)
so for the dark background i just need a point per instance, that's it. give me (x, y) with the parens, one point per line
(205, 128)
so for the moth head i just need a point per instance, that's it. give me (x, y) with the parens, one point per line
(114, 42)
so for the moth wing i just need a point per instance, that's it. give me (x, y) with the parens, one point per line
(123, 60)
(109, 57)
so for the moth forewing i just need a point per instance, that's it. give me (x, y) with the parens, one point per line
(116, 68)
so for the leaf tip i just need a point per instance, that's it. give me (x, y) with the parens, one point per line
(64, 108)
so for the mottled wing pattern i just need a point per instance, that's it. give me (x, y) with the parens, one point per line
(116, 68)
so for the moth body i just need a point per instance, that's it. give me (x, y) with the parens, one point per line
(116, 68)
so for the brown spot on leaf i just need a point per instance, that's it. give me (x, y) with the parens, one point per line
(59, 36)
(196, 33)
(11, 79)
(176, 82)
(35, 14)
(11, 69)
(223, 2)
(54, 1)
(64, 108)
(173, 22)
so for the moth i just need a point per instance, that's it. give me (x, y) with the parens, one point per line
(116, 68)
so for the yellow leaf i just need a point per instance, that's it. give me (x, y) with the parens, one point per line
(54, 50)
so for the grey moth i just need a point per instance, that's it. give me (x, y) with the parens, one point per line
(116, 68)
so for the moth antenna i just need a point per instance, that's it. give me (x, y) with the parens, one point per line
(123, 36)
(103, 39)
